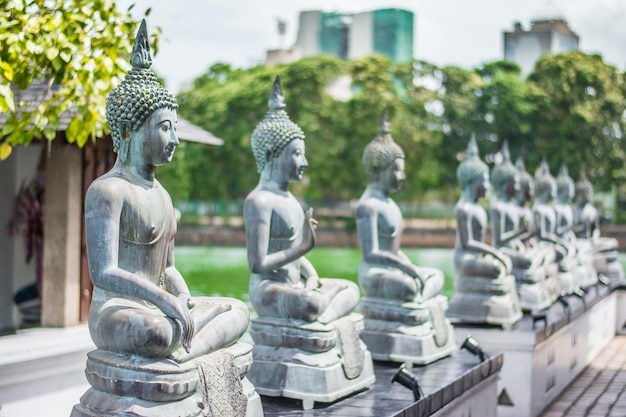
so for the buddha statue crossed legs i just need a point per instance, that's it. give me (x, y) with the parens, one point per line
(404, 313)
(485, 289)
(587, 228)
(586, 274)
(507, 226)
(305, 333)
(154, 341)
(545, 222)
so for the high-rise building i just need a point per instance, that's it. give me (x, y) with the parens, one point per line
(524, 47)
(353, 35)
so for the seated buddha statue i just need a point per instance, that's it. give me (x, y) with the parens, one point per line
(396, 290)
(565, 228)
(507, 226)
(299, 313)
(150, 333)
(546, 224)
(283, 283)
(543, 254)
(587, 228)
(485, 288)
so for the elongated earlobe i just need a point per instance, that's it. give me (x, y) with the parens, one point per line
(124, 143)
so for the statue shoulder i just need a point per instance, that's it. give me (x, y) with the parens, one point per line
(258, 202)
(106, 190)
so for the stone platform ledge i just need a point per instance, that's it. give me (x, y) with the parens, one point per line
(41, 360)
(545, 352)
(452, 386)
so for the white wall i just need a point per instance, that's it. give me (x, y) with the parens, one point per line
(361, 35)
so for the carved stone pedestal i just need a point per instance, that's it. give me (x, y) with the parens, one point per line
(309, 361)
(414, 333)
(482, 300)
(212, 385)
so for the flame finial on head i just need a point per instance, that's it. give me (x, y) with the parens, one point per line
(384, 126)
(520, 164)
(140, 57)
(472, 148)
(472, 167)
(543, 169)
(277, 99)
(506, 155)
(504, 172)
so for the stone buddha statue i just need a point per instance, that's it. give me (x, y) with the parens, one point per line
(404, 314)
(159, 350)
(587, 229)
(485, 289)
(546, 225)
(586, 273)
(508, 224)
(544, 254)
(294, 305)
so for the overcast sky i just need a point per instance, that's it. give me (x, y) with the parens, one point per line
(467, 33)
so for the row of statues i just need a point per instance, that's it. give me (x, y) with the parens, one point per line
(160, 351)
(537, 254)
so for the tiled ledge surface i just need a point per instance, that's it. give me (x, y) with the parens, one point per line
(442, 382)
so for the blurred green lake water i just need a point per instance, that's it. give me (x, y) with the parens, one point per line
(224, 270)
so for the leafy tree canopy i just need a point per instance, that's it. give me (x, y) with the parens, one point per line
(80, 48)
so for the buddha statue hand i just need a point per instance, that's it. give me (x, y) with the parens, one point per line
(419, 279)
(180, 311)
(313, 282)
(308, 232)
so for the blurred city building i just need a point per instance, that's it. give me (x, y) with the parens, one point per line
(350, 35)
(550, 35)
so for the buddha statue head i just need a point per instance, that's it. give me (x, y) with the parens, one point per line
(275, 131)
(504, 176)
(545, 184)
(526, 182)
(472, 169)
(381, 153)
(564, 185)
(137, 97)
(584, 189)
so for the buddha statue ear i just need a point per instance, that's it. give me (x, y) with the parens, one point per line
(125, 132)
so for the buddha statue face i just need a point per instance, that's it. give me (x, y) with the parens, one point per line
(481, 185)
(290, 163)
(566, 191)
(393, 176)
(155, 140)
(526, 191)
(583, 195)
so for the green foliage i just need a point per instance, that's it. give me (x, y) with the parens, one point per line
(570, 108)
(579, 115)
(81, 45)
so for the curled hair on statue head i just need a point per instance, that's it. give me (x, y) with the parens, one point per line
(138, 96)
(472, 168)
(504, 172)
(276, 129)
(544, 181)
(382, 150)
(584, 185)
(563, 181)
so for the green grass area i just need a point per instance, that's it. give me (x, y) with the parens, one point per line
(224, 270)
